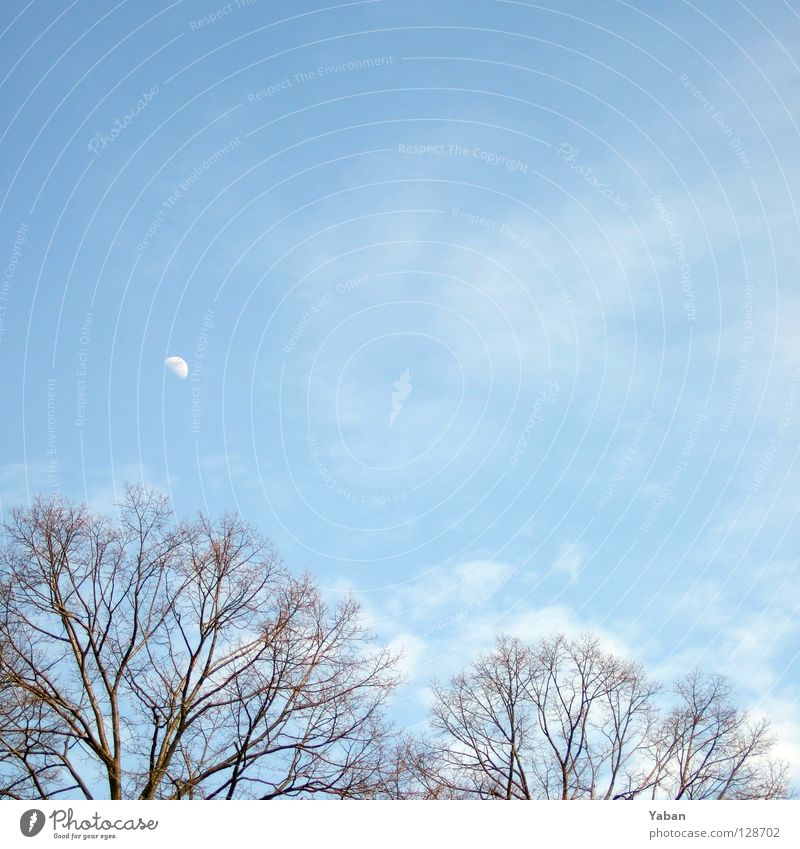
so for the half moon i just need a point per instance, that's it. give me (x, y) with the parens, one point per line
(177, 366)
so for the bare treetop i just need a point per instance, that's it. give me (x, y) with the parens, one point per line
(143, 659)
(564, 719)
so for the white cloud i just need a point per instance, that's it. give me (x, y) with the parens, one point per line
(411, 649)
(569, 560)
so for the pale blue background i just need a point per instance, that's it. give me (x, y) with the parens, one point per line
(485, 506)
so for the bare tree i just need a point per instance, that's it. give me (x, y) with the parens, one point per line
(23, 757)
(486, 742)
(564, 719)
(595, 712)
(140, 659)
(707, 748)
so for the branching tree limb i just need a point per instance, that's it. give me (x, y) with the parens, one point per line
(566, 720)
(139, 659)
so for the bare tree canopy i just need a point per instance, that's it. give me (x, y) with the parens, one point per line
(565, 720)
(707, 748)
(148, 659)
(143, 659)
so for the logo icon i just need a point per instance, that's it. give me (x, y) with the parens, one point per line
(402, 389)
(31, 822)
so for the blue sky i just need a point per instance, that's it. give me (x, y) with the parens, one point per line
(489, 308)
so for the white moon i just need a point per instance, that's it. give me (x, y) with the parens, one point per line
(177, 366)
